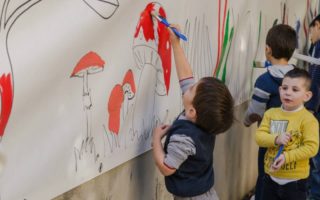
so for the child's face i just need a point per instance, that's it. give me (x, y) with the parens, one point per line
(187, 99)
(314, 33)
(293, 93)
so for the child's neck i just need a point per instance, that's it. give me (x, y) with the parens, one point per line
(293, 109)
(281, 61)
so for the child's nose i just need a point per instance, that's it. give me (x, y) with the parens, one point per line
(288, 92)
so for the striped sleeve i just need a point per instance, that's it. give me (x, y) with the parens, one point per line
(179, 148)
(257, 105)
(186, 83)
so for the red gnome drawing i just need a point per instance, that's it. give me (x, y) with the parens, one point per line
(119, 101)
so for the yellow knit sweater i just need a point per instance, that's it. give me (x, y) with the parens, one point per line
(304, 144)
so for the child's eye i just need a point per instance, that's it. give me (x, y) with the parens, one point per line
(284, 88)
(295, 90)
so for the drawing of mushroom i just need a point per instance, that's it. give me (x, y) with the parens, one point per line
(114, 107)
(90, 63)
(104, 9)
(119, 100)
(129, 91)
(152, 45)
(152, 54)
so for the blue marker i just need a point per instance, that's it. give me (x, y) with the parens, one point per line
(166, 23)
(279, 152)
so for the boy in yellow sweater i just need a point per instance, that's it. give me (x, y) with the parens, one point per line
(294, 127)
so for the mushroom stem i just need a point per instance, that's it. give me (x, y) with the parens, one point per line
(85, 84)
(87, 103)
(86, 93)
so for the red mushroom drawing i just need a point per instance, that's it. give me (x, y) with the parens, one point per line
(129, 90)
(152, 54)
(153, 37)
(119, 100)
(90, 63)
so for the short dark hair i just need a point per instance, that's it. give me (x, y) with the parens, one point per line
(300, 73)
(214, 106)
(282, 39)
(316, 19)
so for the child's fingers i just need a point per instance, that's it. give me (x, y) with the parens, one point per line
(287, 138)
(165, 128)
(274, 166)
(176, 26)
(170, 31)
(278, 162)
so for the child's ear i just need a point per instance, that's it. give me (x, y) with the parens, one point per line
(307, 96)
(193, 112)
(317, 24)
(268, 51)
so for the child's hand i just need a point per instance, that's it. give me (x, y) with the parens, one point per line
(278, 163)
(173, 38)
(255, 118)
(283, 138)
(160, 131)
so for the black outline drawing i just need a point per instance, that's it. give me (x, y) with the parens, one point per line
(88, 142)
(97, 6)
(7, 20)
(84, 72)
(199, 48)
(146, 55)
(127, 90)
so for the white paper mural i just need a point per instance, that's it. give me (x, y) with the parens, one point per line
(83, 82)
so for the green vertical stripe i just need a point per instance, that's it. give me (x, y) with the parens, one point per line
(225, 43)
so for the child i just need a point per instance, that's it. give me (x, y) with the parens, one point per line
(293, 126)
(186, 160)
(280, 44)
(314, 70)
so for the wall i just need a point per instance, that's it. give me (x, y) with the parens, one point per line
(235, 172)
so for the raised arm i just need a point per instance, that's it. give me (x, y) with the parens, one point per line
(182, 65)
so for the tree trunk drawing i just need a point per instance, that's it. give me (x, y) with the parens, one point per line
(7, 21)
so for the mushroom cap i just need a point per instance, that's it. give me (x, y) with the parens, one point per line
(146, 23)
(114, 108)
(152, 38)
(129, 79)
(89, 64)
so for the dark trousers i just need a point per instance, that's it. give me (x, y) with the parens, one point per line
(296, 190)
(259, 184)
(314, 178)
